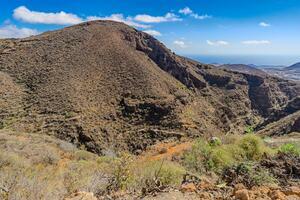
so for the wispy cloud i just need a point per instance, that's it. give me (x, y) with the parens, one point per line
(61, 18)
(12, 31)
(153, 32)
(169, 17)
(119, 18)
(264, 24)
(190, 12)
(256, 42)
(217, 43)
(185, 11)
(180, 43)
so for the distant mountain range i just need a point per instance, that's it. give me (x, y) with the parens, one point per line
(291, 73)
(294, 67)
(249, 69)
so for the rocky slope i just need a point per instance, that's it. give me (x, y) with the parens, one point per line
(107, 86)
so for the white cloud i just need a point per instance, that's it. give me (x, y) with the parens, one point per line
(201, 17)
(180, 43)
(169, 17)
(12, 31)
(256, 42)
(61, 18)
(153, 32)
(264, 24)
(217, 43)
(119, 18)
(188, 11)
(185, 11)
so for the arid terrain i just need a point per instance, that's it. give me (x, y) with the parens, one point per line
(110, 110)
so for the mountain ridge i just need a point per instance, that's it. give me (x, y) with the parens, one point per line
(105, 85)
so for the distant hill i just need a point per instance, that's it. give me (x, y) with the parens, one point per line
(294, 67)
(249, 69)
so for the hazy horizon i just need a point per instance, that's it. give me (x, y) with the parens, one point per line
(273, 60)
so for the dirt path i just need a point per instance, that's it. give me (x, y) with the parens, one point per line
(290, 138)
(165, 150)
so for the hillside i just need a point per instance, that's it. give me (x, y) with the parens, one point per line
(107, 86)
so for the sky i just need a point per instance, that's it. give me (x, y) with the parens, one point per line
(189, 27)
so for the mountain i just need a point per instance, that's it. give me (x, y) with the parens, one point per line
(294, 67)
(244, 69)
(106, 86)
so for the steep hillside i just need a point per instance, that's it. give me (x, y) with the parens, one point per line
(107, 86)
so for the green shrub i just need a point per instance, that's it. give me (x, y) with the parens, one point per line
(249, 129)
(253, 146)
(221, 158)
(215, 141)
(198, 158)
(290, 148)
(149, 173)
(262, 176)
(215, 156)
(248, 173)
(205, 157)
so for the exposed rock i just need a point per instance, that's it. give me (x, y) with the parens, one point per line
(242, 194)
(188, 187)
(278, 195)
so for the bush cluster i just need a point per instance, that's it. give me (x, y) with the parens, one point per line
(207, 156)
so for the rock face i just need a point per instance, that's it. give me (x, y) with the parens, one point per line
(103, 84)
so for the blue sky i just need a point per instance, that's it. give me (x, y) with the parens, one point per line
(188, 27)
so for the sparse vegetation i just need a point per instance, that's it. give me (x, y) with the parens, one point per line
(150, 173)
(214, 156)
(290, 148)
(46, 168)
(249, 174)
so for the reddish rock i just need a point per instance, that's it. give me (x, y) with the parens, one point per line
(242, 194)
(188, 187)
(277, 194)
(292, 191)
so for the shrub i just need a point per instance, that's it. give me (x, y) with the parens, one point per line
(249, 129)
(221, 158)
(119, 170)
(248, 173)
(215, 141)
(290, 148)
(253, 147)
(150, 173)
(205, 157)
(215, 156)
(49, 157)
(198, 158)
(84, 155)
